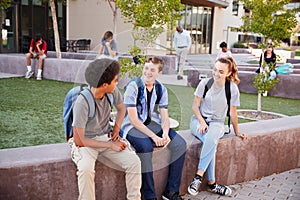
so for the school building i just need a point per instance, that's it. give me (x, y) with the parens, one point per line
(209, 22)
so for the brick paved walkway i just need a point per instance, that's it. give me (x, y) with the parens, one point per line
(281, 186)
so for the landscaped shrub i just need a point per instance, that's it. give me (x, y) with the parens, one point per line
(239, 45)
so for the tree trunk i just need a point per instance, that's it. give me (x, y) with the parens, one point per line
(55, 28)
(259, 102)
(115, 21)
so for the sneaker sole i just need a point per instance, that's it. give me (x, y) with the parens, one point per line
(192, 193)
(164, 198)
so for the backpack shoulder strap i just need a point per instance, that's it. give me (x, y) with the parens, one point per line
(228, 97)
(110, 99)
(208, 86)
(87, 94)
(158, 89)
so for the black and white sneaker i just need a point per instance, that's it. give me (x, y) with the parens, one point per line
(170, 195)
(194, 187)
(222, 190)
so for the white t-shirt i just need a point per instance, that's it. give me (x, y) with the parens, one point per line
(222, 54)
(214, 105)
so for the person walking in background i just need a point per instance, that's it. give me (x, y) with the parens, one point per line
(207, 123)
(108, 46)
(182, 44)
(95, 136)
(145, 128)
(224, 52)
(38, 50)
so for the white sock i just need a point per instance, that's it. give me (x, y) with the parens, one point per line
(29, 68)
(40, 72)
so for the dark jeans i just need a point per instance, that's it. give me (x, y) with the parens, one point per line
(144, 148)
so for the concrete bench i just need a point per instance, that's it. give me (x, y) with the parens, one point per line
(47, 172)
(70, 68)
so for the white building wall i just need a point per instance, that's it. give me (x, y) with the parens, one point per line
(223, 21)
(91, 19)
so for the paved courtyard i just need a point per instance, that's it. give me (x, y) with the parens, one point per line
(285, 185)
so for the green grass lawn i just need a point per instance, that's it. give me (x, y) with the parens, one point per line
(30, 110)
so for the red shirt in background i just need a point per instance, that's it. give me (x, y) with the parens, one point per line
(43, 46)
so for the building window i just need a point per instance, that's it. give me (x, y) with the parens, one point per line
(235, 7)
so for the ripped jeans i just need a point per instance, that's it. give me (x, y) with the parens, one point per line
(210, 141)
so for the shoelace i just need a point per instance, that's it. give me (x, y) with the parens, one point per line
(195, 184)
(220, 189)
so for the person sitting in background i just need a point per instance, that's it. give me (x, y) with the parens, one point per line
(108, 46)
(224, 52)
(38, 50)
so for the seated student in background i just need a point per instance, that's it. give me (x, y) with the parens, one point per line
(224, 52)
(207, 123)
(38, 50)
(145, 129)
(108, 46)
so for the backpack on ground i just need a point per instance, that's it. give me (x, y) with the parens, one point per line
(158, 89)
(69, 104)
(228, 97)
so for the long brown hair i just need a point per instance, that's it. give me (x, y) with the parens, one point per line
(232, 67)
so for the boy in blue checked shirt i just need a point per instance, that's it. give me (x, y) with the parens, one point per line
(145, 129)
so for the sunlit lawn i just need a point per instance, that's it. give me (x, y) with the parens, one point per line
(30, 110)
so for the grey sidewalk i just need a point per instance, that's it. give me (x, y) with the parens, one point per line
(285, 185)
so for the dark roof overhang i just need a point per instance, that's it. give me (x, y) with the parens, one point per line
(206, 3)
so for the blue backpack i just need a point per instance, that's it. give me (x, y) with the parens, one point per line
(69, 103)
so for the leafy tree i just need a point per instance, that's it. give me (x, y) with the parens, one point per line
(270, 18)
(149, 16)
(114, 8)
(274, 22)
(4, 4)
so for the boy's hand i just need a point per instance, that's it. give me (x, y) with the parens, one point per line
(114, 136)
(117, 145)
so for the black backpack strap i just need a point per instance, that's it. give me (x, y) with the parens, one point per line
(158, 89)
(208, 86)
(228, 97)
(139, 85)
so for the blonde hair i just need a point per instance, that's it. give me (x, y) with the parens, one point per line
(232, 67)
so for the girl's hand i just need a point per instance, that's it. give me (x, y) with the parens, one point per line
(203, 128)
(242, 135)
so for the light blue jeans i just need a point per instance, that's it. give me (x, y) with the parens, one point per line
(210, 141)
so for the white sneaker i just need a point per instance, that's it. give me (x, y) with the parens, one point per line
(29, 74)
(222, 190)
(194, 187)
(39, 78)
